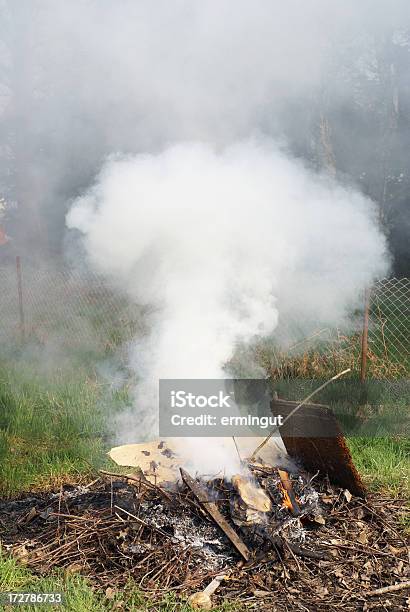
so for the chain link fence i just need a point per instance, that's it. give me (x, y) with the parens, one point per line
(59, 311)
(389, 328)
(374, 342)
(63, 310)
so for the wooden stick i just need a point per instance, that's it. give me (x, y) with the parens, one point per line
(256, 451)
(237, 449)
(20, 296)
(212, 510)
(365, 335)
(305, 552)
(142, 481)
(202, 599)
(389, 589)
(212, 586)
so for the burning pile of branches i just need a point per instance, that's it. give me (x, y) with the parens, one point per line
(271, 540)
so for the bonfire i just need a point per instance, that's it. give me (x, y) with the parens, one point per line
(275, 536)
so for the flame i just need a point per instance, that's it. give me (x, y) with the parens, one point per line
(285, 487)
(287, 503)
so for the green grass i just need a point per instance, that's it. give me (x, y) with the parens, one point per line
(50, 430)
(383, 462)
(80, 596)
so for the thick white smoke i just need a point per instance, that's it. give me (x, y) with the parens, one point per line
(214, 240)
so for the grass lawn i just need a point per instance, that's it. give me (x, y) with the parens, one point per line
(58, 431)
(49, 431)
(384, 463)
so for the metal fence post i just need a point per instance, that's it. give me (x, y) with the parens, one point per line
(365, 335)
(20, 295)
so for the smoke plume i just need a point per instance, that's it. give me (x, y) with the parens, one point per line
(214, 238)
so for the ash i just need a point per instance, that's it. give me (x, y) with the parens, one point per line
(189, 533)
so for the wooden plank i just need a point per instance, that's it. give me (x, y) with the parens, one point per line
(212, 509)
(314, 437)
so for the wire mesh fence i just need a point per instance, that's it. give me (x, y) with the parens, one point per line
(293, 353)
(60, 310)
(389, 328)
(64, 308)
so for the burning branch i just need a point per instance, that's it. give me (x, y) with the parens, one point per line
(212, 509)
